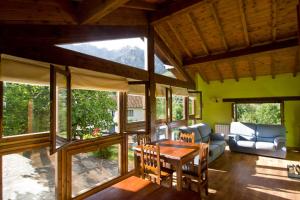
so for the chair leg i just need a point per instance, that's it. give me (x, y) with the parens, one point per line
(199, 188)
(171, 180)
(206, 188)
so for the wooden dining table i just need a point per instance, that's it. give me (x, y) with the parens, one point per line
(134, 188)
(177, 153)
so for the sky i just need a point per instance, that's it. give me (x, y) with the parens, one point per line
(118, 44)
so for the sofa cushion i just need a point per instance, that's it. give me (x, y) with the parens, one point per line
(192, 129)
(267, 133)
(248, 144)
(265, 146)
(205, 131)
(245, 131)
(220, 143)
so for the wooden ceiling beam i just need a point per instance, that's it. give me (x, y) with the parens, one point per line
(91, 11)
(219, 25)
(173, 82)
(216, 68)
(159, 30)
(59, 56)
(234, 71)
(171, 58)
(140, 5)
(244, 21)
(56, 34)
(173, 8)
(272, 67)
(179, 39)
(252, 68)
(198, 31)
(203, 75)
(242, 52)
(69, 9)
(274, 19)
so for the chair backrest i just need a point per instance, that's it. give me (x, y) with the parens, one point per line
(203, 158)
(150, 159)
(187, 137)
(143, 139)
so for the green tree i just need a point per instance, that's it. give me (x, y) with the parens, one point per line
(92, 110)
(177, 107)
(160, 108)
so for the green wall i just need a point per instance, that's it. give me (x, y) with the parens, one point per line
(283, 85)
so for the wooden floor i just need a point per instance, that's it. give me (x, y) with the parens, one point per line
(242, 176)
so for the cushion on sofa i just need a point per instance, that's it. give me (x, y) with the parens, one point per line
(265, 146)
(245, 131)
(192, 129)
(220, 143)
(205, 131)
(248, 144)
(267, 133)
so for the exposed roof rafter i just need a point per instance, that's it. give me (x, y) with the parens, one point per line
(197, 30)
(218, 22)
(244, 21)
(234, 70)
(242, 52)
(179, 39)
(140, 5)
(274, 18)
(216, 68)
(91, 11)
(173, 8)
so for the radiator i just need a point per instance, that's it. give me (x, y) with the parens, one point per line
(223, 128)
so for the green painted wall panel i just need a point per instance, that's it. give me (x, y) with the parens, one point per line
(283, 85)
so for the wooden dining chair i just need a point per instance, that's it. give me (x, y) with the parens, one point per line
(187, 137)
(143, 139)
(199, 173)
(151, 165)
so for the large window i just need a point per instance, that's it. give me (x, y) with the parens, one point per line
(29, 175)
(178, 108)
(94, 113)
(93, 168)
(136, 108)
(26, 108)
(160, 108)
(259, 113)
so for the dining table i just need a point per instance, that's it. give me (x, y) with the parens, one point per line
(176, 153)
(135, 188)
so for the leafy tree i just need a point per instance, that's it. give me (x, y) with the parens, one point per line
(267, 113)
(92, 110)
(15, 113)
(160, 108)
(177, 107)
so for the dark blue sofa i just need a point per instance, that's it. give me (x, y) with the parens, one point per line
(203, 133)
(260, 139)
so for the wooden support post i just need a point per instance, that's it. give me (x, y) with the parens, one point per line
(151, 101)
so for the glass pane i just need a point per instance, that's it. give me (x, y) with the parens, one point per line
(191, 106)
(191, 122)
(29, 175)
(125, 51)
(26, 109)
(136, 108)
(132, 142)
(177, 108)
(162, 132)
(160, 108)
(94, 113)
(61, 126)
(94, 168)
(175, 133)
(266, 113)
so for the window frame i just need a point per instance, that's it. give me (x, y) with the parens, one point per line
(234, 109)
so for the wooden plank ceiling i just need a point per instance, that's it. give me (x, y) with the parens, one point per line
(219, 39)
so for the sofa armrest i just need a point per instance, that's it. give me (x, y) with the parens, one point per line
(217, 136)
(233, 137)
(279, 142)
